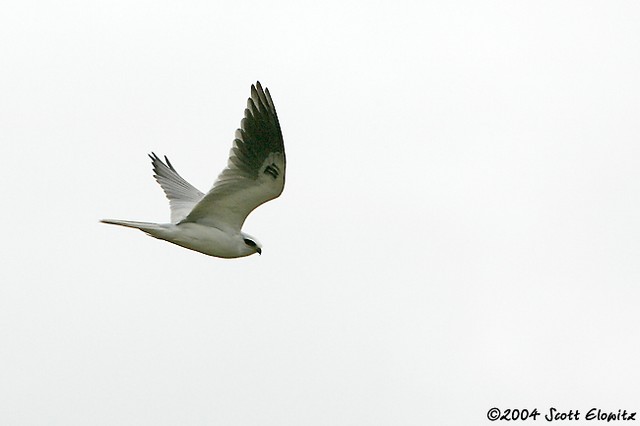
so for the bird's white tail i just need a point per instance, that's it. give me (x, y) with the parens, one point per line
(153, 229)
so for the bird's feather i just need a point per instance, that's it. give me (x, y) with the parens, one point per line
(181, 194)
(255, 171)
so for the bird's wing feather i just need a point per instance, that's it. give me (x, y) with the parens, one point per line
(255, 170)
(181, 194)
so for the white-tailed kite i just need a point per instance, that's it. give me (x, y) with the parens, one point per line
(212, 223)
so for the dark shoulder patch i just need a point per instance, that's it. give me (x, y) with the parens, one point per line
(272, 170)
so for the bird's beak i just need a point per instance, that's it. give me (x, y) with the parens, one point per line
(259, 250)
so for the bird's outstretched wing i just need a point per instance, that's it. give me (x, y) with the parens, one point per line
(181, 194)
(255, 171)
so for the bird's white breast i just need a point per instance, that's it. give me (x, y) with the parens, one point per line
(208, 240)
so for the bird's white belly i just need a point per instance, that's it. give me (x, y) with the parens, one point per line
(207, 240)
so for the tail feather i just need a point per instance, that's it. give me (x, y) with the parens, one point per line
(150, 228)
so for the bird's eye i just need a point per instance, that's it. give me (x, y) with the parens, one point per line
(249, 242)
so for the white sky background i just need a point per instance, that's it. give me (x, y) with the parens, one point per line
(460, 227)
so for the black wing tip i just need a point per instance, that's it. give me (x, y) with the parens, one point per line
(156, 161)
(257, 91)
(260, 99)
(169, 163)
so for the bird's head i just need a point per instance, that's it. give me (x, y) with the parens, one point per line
(252, 243)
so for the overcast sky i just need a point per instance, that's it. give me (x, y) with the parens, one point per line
(460, 227)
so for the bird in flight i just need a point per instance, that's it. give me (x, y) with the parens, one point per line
(212, 223)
